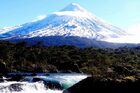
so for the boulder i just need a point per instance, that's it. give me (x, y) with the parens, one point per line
(92, 85)
(15, 87)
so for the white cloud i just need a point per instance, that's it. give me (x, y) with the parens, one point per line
(133, 37)
(125, 39)
(134, 29)
(40, 17)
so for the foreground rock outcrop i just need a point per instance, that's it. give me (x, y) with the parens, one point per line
(92, 85)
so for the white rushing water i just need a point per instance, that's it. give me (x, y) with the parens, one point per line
(65, 80)
(25, 87)
(68, 79)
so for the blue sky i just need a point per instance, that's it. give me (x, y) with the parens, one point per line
(122, 13)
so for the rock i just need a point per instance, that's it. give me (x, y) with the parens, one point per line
(92, 85)
(16, 77)
(15, 87)
(3, 69)
(1, 80)
(76, 68)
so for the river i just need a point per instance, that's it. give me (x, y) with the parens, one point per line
(27, 86)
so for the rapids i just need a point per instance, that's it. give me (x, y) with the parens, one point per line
(27, 86)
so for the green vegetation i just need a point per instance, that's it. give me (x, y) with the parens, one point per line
(121, 63)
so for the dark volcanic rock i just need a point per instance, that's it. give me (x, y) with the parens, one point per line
(3, 69)
(91, 85)
(16, 77)
(15, 87)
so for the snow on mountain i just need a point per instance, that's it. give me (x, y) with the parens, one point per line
(72, 21)
(7, 29)
(73, 7)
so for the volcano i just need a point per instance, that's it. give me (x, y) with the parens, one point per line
(72, 25)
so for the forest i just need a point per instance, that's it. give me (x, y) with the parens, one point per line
(120, 63)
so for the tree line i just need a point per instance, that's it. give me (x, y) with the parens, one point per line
(107, 62)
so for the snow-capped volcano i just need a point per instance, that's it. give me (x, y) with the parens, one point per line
(72, 21)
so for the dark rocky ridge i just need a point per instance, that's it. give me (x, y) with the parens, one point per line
(71, 40)
(92, 85)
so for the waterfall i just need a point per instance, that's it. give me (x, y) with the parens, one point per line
(29, 86)
(25, 87)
